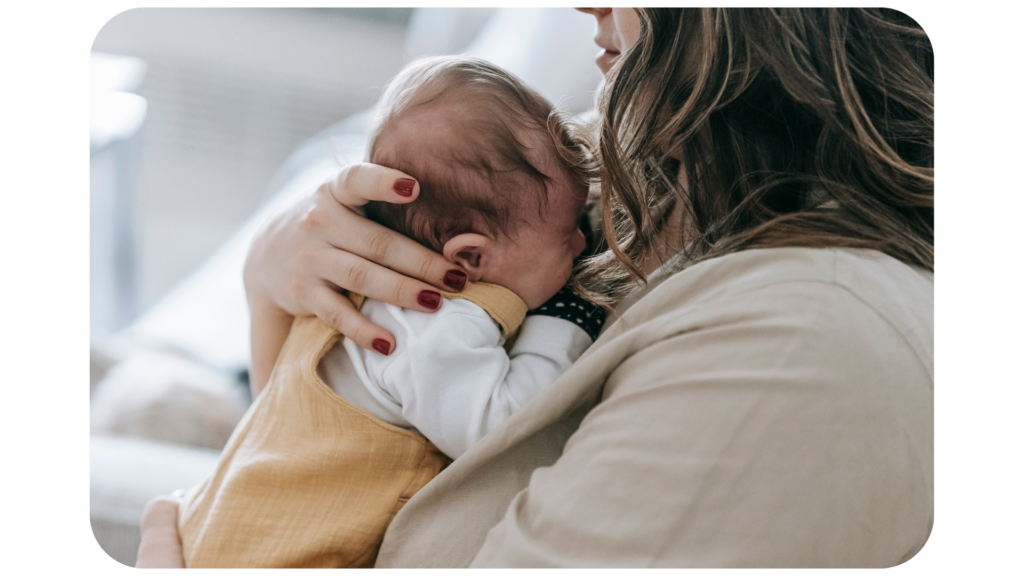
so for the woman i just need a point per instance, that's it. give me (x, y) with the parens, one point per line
(765, 397)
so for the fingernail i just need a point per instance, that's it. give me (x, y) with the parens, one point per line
(429, 299)
(455, 279)
(404, 186)
(382, 346)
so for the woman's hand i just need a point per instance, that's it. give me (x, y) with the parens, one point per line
(303, 257)
(160, 546)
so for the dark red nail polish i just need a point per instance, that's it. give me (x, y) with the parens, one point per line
(382, 346)
(429, 299)
(455, 279)
(404, 186)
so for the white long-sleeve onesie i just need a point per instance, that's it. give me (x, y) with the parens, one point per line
(449, 377)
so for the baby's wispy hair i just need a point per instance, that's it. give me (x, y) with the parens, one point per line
(471, 133)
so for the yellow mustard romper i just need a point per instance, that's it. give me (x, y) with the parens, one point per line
(306, 479)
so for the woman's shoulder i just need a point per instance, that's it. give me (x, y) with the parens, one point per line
(854, 269)
(868, 275)
(822, 289)
(871, 276)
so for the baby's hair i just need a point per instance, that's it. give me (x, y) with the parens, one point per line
(469, 156)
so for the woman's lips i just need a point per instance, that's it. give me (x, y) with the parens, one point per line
(605, 59)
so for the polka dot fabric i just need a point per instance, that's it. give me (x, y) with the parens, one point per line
(567, 305)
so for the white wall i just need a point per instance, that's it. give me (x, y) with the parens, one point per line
(231, 92)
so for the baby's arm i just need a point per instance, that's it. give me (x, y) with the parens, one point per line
(455, 382)
(551, 338)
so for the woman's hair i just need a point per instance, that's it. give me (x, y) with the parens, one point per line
(477, 165)
(768, 128)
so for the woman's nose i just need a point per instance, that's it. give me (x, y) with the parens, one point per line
(596, 12)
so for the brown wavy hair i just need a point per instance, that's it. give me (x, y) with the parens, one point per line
(768, 128)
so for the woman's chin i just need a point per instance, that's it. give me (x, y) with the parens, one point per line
(605, 60)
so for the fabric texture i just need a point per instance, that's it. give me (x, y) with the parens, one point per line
(769, 408)
(307, 479)
(569, 306)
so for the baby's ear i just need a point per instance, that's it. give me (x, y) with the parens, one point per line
(470, 251)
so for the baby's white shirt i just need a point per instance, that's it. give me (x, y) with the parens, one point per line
(449, 378)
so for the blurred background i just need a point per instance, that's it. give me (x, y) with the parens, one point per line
(203, 122)
(198, 115)
(228, 95)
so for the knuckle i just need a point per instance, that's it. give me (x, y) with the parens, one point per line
(352, 326)
(395, 292)
(349, 176)
(336, 318)
(426, 270)
(313, 219)
(297, 287)
(362, 335)
(356, 276)
(382, 185)
(378, 244)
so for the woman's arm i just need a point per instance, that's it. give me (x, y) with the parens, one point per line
(303, 257)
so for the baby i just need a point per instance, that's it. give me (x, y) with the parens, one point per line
(342, 437)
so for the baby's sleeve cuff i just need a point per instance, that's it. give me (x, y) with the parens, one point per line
(569, 306)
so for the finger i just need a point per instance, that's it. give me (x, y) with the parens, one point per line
(338, 311)
(379, 283)
(371, 241)
(360, 183)
(159, 512)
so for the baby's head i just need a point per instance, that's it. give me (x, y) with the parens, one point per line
(503, 178)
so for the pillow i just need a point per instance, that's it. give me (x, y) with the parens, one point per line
(166, 397)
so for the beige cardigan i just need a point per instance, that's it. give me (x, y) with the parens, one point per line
(771, 408)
